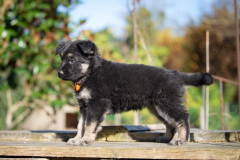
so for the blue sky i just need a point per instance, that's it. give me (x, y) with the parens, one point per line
(111, 13)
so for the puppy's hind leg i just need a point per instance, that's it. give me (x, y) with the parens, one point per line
(170, 128)
(170, 132)
(183, 132)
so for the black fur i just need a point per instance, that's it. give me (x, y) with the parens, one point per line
(115, 87)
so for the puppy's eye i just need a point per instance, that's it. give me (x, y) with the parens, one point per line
(71, 61)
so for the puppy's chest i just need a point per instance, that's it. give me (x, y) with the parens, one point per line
(84, 94)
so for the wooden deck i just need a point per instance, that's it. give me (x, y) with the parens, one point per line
(116, 142)
(128, 150)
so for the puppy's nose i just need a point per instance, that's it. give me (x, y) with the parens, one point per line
(60, 72)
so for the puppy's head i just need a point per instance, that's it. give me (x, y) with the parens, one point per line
(78, 58)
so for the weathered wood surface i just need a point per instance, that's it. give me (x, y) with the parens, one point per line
(121, 134)
(142, 150)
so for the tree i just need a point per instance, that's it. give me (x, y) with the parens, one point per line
(30, 32)
(147, 31)
(221, 26)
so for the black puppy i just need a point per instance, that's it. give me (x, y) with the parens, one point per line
(105, 87)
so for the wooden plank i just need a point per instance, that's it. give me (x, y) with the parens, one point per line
(120, 136)
(122, 150)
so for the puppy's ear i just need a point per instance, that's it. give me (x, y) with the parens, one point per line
(61, 47)
(87, 47)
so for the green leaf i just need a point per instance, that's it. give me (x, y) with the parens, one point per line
(82, 21)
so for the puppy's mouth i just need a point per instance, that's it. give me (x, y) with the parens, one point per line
(73, 79)
(63, 78)
(78, 80)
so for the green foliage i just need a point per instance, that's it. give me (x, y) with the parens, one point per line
(109, 46)
(109, 120)
(222, 63)
(145, 24)
(195, 104)
(188, 54)
(3, 110)
(148, 29)
(127, 118)
(147, 118)
(30, 32)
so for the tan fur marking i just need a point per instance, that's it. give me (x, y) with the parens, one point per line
(84, 67)
(164, 115)
(181, 126)
(89, 135)
(90, 130)
(70, 55)
(169, 129)
(80, 127)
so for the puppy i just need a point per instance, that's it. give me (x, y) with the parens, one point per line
(105, 87)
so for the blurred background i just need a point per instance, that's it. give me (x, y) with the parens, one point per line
(171, 34)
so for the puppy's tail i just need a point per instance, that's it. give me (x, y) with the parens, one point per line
(196, 79)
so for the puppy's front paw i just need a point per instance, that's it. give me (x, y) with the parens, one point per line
(83, 142)
(71, 141)
(177, 142)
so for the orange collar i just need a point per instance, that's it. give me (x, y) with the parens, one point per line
(78, 86)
